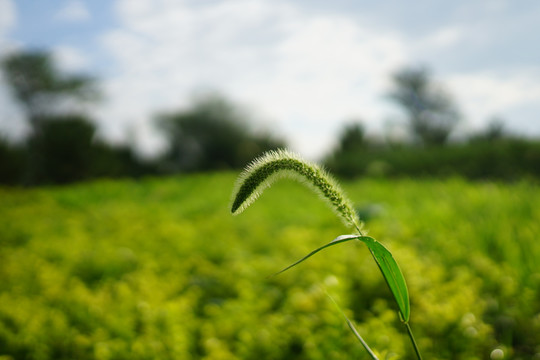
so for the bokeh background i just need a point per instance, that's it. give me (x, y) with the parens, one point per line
(123, 125)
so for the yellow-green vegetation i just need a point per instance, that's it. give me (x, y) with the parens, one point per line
(158, 269)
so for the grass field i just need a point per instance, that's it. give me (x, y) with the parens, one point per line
(159, 269)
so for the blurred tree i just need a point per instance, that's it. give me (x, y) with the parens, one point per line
(41, 88)
(12, 159)
(351, 137)
(61, 147)
(494, 131)
(212, 134)
(119, 161)
(348, 157)
(431, 112)
(65, 150)
(62, 150)
(57, 152)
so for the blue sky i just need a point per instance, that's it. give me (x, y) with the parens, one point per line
(303, 67)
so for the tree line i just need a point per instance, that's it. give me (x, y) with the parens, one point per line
(431, 116)
(215, 134)
(63, 146)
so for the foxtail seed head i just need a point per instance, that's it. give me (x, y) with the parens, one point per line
(273, 165)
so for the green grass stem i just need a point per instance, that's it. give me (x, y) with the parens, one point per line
(262, 172)
(413, 341)
(353, 328)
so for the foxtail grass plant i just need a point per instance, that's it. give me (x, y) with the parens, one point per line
(274, 165)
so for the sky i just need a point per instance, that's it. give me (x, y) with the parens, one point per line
(302, 68)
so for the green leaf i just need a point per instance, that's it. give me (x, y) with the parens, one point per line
(388, 266)
(392, 274)
(340, 239)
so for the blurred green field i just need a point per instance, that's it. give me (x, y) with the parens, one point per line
(159, 269)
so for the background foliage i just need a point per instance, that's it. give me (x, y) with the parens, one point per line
(159, 269)
(214, 133)
(503, 159)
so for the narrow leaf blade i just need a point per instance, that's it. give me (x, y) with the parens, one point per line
(392, 274)
(353, 328)
(340, 239)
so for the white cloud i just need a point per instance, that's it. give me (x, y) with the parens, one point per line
(74, 11)
(70, 59)
(12, 123)
(443, 38)
(11, 117)
(7, 16)
(8, 19)
(306, 72)
(485, 94)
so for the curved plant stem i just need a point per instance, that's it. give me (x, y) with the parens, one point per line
(273, 165)
(358, 229)
(411, 336)
(370, 352)
(353, 328)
